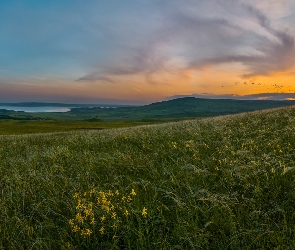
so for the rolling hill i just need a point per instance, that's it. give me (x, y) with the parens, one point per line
(215, 183)
(187, 107)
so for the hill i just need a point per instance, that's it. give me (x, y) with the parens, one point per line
(181, 108)
(216, 183)
(186, 107)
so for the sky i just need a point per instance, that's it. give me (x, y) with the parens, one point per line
(142, 51)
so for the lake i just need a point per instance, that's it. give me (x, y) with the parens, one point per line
(36, 109)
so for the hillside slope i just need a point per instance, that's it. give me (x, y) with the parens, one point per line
(182, 107)
(217, 183)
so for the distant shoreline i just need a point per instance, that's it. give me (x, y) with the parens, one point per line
(43, 109)
(36, 107)
(44, 104)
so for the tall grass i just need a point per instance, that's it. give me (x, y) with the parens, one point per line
(217, 183)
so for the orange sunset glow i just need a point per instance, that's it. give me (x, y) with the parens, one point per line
(110, 53)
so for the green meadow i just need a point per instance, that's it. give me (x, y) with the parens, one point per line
(217, 183)
(18, 127)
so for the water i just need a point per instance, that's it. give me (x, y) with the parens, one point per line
(36, 109)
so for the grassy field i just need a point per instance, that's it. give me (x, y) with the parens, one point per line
(18, 127)
(217, 183)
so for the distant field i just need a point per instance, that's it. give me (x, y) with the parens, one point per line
(17, 127)
(216, 183)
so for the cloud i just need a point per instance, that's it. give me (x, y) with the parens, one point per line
(196, 35)
(171, 47)
(147, 41)
(95, 77)
(275, 55)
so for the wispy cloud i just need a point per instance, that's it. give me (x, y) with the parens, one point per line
(275, 55)
(201, 39)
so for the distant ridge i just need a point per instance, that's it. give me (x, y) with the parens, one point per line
(186, 107)
(203, 104)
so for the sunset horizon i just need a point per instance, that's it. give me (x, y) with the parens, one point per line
(140, 52)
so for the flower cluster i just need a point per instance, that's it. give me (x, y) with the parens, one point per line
(100, 211)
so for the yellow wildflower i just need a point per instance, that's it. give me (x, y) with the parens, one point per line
(79, 204)
(79, 217)
(69, 245)
(88, 212)
(76, 228)
(102, 218)
(106, 207)
(92, 191)
(102, 194)
(126, 212)
(101, 230)
(114, 215)
(144, 212)
(92, 221)
(133, 192)
(86, 232)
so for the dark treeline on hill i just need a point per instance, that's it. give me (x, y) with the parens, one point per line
(183, 107)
